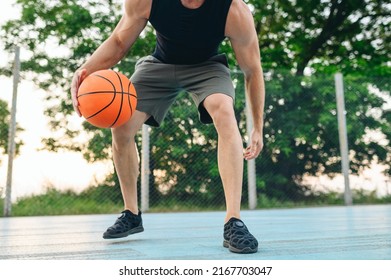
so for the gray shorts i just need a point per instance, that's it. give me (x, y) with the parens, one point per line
(157, 85)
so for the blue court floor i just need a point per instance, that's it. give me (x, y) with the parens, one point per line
(322, 233)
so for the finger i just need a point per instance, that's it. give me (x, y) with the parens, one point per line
(83, 73)
(253, 150)
(76, 81)
(249, 157)
(249, 153)
(76, 107)
(74, 89)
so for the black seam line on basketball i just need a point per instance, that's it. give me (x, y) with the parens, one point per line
(111, 102)
(105, 92)
(130, 104)
(122, 100)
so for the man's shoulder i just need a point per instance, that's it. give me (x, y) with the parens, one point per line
(238, 8)
(239, 16)
(141, 8)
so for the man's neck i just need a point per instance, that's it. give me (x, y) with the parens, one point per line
(192, 4)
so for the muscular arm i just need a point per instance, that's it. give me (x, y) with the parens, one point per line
(111, 51)
(126, 32)
(241, 32)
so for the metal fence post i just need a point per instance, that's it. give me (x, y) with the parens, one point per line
(11, 135)
(251, 171)
(343, 137)
(145, 171)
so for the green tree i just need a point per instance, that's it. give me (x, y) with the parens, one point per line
(321, 37)
(351, 36)
(4, 128)
(301, 132)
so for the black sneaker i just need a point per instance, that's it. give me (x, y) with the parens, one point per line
(238, 239)
(127, 223)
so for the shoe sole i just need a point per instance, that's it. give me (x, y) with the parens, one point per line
(124, 234)
(246, 250)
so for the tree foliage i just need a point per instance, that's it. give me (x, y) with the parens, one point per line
(5, 118)
(295, 37)
(351, 36)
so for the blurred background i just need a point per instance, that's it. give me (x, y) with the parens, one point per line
(62, 165)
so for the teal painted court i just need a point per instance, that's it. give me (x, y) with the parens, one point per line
(319, 233)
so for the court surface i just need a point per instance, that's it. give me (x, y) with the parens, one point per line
(321, 233)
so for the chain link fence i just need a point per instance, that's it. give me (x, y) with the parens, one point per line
(300, 164)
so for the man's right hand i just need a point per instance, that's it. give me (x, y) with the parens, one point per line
(78, 77)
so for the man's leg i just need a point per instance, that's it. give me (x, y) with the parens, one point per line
(125, 156)
(237, 238)
(230, 150)
(126, 163)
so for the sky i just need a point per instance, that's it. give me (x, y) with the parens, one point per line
(34, 170)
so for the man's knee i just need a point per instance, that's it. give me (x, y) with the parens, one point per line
(221, 109)
(125, 134)
(121, 138)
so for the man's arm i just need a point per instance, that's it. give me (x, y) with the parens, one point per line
(111, 51)
(241, 32)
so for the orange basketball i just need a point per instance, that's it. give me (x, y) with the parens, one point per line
(107, 98)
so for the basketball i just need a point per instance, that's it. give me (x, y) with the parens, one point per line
(107, 99)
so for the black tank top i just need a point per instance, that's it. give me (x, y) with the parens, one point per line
(188, 36)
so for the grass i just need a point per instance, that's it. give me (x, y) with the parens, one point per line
(55, 202)
(101, 200)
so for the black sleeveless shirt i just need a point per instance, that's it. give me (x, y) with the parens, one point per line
(188, 36)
